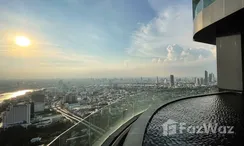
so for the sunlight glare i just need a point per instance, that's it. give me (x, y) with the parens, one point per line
(22, 41)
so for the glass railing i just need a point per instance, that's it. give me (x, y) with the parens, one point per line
(95, 129)
(207, 3)
(201, 5)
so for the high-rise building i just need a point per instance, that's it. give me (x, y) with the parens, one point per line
(165, 81)
(206, 78)
(17, 114)
(172, 81)
(32, 108)
(210, 77)
(71, 98)
(197, 82)
(39, 101)
(222, 27)
(202, 81)
(213, 78)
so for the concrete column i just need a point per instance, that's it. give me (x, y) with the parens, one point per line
(229, 62)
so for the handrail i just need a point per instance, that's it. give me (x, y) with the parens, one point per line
(126, 110)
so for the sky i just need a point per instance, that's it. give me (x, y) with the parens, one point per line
(101, 38)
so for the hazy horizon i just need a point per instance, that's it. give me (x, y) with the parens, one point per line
(89, 78)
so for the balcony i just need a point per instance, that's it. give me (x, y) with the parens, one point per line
(225, 109)
(213, 18)
(132, 125)
(97, 127)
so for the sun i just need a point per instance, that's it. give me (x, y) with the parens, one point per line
(22, 41)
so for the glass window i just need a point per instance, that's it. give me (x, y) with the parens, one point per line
(198, 5)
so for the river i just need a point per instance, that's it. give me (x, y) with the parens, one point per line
(14, 94)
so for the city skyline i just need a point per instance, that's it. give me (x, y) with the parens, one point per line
(69, 39)
(108, 77)
(97, 72)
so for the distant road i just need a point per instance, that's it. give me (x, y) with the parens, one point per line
(75, 119)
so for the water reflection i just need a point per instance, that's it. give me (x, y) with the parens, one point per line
(15, 94)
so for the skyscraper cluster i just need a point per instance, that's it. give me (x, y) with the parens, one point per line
(208, 79)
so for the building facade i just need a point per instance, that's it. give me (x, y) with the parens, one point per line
(219, 22)
(70, 98)
(206, 78)
(210, 78)
(39, 102)
(39, 106)
(17, 114)
(172, 81)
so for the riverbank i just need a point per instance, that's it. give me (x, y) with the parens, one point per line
(15, 94)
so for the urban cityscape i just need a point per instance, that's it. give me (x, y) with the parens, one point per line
(121, 72)
(41, 110)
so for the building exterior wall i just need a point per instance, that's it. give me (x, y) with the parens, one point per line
(39, 106)
(219, 22)
(229, 62)
(206, 77)
(17, 114)
(212, 13)
(172, 81)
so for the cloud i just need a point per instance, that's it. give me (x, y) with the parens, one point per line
(159, 38)
(157, 60)
(151, 53)
(176, 53)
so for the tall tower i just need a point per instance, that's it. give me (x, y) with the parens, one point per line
(213, 78)
(210, 78)
(201, 81)
(157, 80)
(206, 78)
(172, 82)
(198, 81)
